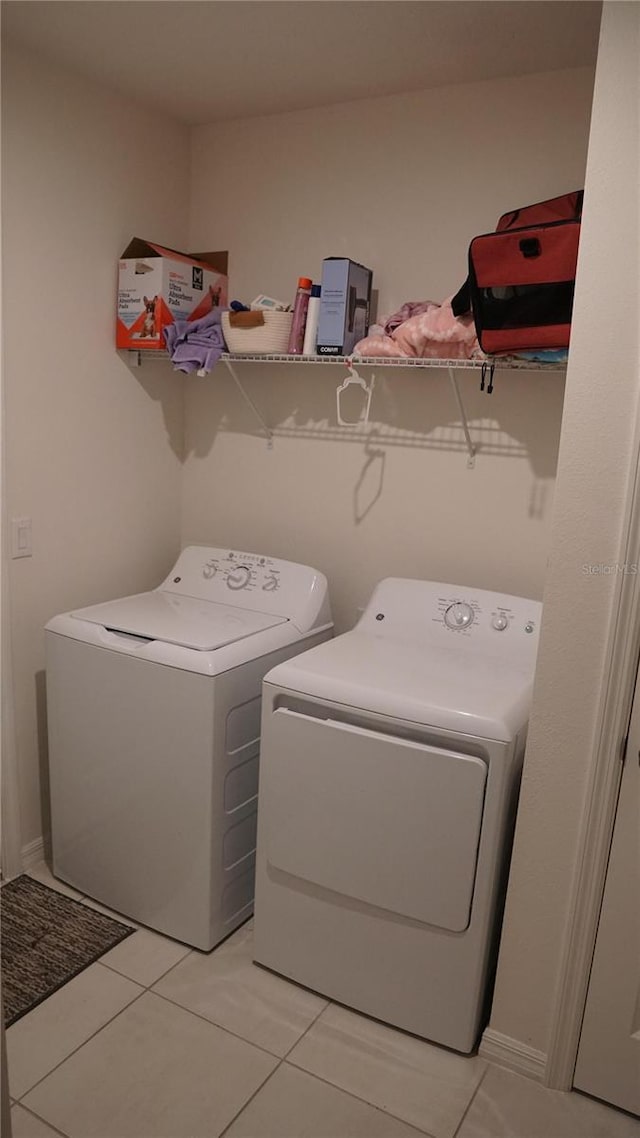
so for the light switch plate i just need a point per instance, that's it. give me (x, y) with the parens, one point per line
(21, 537)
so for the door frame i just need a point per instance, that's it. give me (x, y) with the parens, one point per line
(598, 817)
(10, 831)
(10, 834)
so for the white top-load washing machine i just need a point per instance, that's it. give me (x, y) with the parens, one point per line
(154, 730)
(390, 767)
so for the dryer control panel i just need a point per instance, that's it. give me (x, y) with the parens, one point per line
(474, 621)
(252, 581)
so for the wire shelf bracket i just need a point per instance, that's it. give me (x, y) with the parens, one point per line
(267, 430)
(471, 449)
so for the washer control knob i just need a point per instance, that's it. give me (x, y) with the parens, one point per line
(499, 622)
(239, 577)
(458, 615)
(209, 571)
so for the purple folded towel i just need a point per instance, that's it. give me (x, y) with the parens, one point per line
(195, 345)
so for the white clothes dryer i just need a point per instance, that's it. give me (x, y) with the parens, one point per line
(154, 731)
(390, 768)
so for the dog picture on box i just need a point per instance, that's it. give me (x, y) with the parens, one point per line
(148, 331)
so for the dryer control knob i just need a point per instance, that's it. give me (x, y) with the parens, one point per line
(458, 615)
(499, 622)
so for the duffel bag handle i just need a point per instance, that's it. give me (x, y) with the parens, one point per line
(513, 217)
(461, 303)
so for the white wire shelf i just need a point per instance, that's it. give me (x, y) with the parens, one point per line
(498, 362)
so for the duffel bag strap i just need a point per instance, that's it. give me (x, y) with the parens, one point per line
(461, 303)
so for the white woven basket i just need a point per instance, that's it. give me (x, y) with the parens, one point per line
(272, 336)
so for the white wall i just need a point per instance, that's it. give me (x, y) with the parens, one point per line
(595, 467)
(93, 449)
(400, 183)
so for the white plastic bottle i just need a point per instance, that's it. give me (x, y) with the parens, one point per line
(311, 330)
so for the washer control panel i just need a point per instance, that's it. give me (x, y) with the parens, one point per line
(243, 571)
(253, 581)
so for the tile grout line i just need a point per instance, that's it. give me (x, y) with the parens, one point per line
(171, 967)
(282, 1059)
(307, 1030)
(156, 980)
(46, 1122)
(219, 1026)
(334, 1086)
(471, 1102)
(148, 990)
(364, 1101)
(80, 1045)
(250, 1099)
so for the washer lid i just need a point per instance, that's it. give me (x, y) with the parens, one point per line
(442, 688)
(170, 617)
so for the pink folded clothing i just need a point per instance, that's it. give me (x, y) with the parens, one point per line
(377, 344)
(433, 332)
(409, 308)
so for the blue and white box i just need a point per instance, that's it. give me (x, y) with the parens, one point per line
(344, 306)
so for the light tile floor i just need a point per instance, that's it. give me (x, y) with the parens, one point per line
(157, 1041)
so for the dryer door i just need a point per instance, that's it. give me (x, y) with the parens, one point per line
(383, 820)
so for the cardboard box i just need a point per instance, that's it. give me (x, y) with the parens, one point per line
(344, 306)
(157, 286)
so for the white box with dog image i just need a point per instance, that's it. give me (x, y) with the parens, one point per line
(157, 286)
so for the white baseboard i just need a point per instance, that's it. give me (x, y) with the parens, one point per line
(514, 1054)
(32, 853)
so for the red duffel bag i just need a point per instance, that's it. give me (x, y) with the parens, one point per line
(522, 277)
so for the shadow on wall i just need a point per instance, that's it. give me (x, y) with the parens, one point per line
(368, 489)
(409, 408)
(158, 380)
